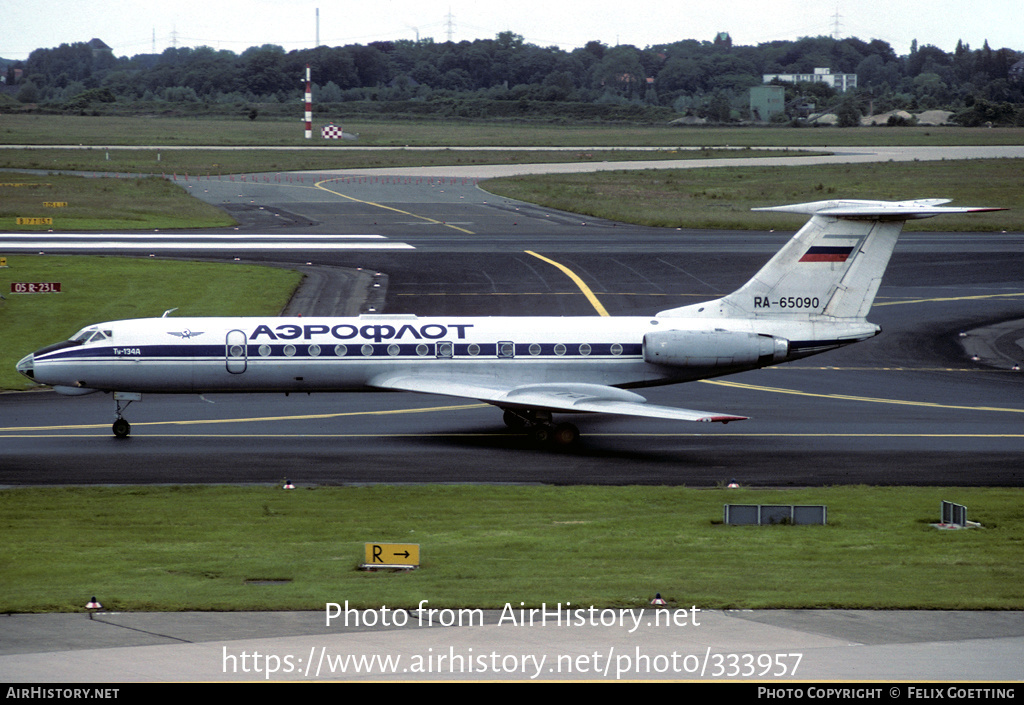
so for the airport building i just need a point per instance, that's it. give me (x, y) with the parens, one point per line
(767, 101)
(842, 82)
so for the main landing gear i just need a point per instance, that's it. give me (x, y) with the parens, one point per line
(121, 427)
(541, 429)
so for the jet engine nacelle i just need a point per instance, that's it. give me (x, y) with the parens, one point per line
(713, 348)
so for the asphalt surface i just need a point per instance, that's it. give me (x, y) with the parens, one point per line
(909, 407)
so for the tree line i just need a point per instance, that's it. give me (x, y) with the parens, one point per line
(709, 79)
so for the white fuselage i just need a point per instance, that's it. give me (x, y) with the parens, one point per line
(200, 355)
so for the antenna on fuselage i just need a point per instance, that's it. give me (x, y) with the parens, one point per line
(169, 311)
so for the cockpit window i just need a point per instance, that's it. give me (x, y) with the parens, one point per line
(90, 335)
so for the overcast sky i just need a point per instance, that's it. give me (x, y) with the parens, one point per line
(140, 26)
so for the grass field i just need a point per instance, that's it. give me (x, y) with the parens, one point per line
(106, 131)
(75, 203)
(95, 289)
(252, 548)
(721, 198)
(205, 162)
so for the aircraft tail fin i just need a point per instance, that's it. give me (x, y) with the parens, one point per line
(832, 267)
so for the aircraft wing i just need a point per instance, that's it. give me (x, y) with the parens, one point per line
(564, 397)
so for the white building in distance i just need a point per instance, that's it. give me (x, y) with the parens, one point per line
(841, 82)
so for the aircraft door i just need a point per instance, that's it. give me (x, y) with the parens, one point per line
(235, 352)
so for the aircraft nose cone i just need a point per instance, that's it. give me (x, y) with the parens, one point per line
(27, 366)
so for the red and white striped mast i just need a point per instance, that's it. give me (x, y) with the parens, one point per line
(309, 105)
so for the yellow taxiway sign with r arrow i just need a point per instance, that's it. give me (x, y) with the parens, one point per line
(405, 555)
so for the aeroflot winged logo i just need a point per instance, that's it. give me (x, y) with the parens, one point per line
(186, 334)
(373, 331)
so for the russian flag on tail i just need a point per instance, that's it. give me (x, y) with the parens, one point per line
(823, 253)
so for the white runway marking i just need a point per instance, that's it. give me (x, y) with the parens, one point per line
(187, 236)
(73, 242)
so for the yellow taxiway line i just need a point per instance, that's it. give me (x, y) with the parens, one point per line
(849, 397)
(320, 186)
(576, 280)
(253, 419)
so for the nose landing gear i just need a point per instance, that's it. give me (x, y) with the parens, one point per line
(121, 427)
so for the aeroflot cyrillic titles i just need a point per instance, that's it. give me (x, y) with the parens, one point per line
(812, 296)
(347, 331)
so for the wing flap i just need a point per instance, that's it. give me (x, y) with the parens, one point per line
(563, 397)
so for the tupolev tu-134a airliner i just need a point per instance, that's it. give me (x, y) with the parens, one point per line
(812, 296)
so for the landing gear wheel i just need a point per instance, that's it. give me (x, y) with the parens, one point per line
(540, 434)
(546, 434)
(121, 428)
(565, 434)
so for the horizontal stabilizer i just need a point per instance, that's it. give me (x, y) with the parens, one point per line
(562, 397)
(877, 210)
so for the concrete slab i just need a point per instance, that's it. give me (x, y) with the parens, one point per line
(635, 645)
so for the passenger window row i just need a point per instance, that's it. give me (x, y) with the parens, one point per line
(447, 349)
